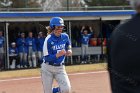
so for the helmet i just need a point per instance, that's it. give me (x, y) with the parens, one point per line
(135, 3)
(13, 44)
(40, 33)
(56, 21)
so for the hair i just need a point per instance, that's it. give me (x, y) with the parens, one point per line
(49, 30)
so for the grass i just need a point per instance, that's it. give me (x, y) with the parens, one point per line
(36, 72)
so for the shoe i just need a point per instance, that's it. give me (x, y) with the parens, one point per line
(85, 62)
(56, 90)
(25, 66)
(12, 67)
(21, 66)
(82, 62)
(18, 66)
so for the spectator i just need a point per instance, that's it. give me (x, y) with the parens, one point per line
(31, 48)
(123, 55)
(22, 49)
(2, 40)
(40, 42)
(13, 56)
(84, 42)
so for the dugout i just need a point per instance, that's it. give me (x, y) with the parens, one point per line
(14, 22)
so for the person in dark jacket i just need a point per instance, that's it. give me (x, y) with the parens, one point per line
(124, 55)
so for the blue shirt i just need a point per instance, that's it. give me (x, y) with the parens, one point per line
(1, 41)
(13, 51)
(31, 42)
(85, 39)
(21, 45)
(53, 45)
(40, 42)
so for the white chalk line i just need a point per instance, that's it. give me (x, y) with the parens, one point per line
(73, 74)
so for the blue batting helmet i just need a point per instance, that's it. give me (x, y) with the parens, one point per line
(56, 21)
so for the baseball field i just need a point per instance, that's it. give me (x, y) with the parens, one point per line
(92, 78)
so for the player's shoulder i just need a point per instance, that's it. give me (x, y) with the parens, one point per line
(48, 38)
(64, 35)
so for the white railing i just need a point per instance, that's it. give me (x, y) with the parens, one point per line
(72, 8)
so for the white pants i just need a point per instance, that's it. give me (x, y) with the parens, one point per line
(32, 57)
(23, 59)
(84, 49)
(48, 73)
(40, 55)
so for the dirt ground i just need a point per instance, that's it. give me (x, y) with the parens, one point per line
(86, 82)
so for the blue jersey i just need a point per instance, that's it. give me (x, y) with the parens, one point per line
(1, 41)
(31, 42)
(85, 39)
(53, 45)
(21, 45)
(13, 51)
(40, 42)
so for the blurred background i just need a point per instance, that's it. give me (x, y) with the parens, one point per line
(63, 5)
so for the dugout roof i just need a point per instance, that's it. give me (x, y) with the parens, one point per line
(67, 15)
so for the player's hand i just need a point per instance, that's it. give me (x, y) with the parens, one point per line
(61, 53)
(83, 27)
(69, 53)
(90, 28)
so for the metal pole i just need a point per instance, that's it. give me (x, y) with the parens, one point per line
(7, 44)
(101, 38)
(67, 5)
(69, 27)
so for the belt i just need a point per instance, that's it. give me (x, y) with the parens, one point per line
(53, 64)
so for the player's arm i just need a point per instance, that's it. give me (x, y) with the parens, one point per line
(83, 27)
(68, 47)
(47, 52)
(91, 31)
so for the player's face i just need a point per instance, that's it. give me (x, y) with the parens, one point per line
(0, 33)
(58, 30)
(30, 34)
(85, 32)
(22, 35)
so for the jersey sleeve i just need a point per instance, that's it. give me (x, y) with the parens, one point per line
(47, 53)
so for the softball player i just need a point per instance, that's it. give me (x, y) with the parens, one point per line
(40, 42)
(2, 40)
(13, 56)
(85, 40)
(57, 45)
(22, 49)
(31, 47)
